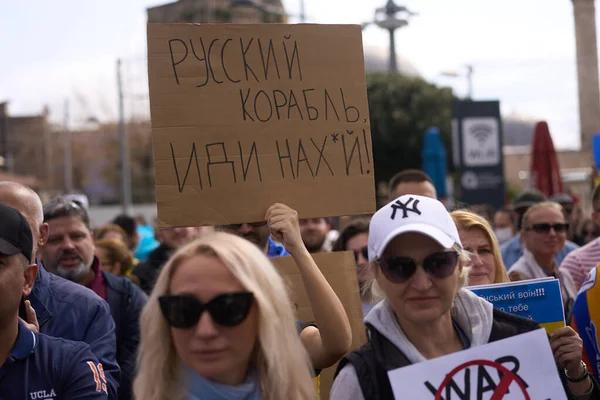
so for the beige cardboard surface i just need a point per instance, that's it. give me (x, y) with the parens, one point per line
(244, 116)
(339, 269)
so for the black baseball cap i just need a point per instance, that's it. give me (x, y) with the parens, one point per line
(15, 234)
(563, 199)
(528, 198)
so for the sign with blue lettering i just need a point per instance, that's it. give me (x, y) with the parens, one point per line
(537, 299)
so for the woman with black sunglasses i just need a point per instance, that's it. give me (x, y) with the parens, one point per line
(220, 325)
(419, 266)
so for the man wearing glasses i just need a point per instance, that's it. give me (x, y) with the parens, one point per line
(544, 230)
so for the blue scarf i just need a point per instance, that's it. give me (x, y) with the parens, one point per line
(203, 389)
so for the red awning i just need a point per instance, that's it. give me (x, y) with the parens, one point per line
(545, 172)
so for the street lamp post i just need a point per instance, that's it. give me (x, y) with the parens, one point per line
(68, 150)
(470, 81)
(468, 75)
(386, 18)
(126, 196)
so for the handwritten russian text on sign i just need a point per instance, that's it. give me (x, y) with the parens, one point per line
(537, 299)
(339, 268)
(244, 116)
(518, 368)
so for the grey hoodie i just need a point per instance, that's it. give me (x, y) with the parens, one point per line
(472, 313)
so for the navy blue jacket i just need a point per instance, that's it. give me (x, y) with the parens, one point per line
(126, 302)
(70, 311)
(42, 367)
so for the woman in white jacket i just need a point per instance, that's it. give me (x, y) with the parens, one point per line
(419, 266)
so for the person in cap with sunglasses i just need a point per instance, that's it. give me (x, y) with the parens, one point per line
(544, 232)
(220, 325)
(355, 238)
(33, 365)
(419, 266)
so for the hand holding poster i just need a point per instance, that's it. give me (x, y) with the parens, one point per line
(536, 299)
(339, 268)
(518, 368)
(244, 116)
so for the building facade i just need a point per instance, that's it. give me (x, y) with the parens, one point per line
(587, 70)
(25, 151)
(219, 11)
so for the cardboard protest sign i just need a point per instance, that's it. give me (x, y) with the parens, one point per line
(537, 299)
(518, 368)
(339, 269)
(244, 116)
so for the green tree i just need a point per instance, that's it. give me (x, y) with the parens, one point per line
(401, 109)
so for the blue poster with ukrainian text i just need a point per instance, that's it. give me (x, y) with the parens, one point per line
(537, 299)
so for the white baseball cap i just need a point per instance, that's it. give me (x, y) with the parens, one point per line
(411, 213)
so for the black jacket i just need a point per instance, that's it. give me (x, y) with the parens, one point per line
(147, 271)
(126, 302)
(373, 360)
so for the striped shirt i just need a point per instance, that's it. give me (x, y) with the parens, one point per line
(580, 262)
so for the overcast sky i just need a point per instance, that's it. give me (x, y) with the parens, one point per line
(523, 53)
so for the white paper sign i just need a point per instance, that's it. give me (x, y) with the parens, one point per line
(525, 361)
(481, 142)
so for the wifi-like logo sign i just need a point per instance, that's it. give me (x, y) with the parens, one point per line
(481, 132)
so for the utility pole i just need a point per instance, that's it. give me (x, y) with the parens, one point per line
(302, 12)
(126, 200)
(468, 75)
(470, 82)
(4, 135)
(68, 150)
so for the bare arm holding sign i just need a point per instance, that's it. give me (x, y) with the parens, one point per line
(567, 347)
(327, 344)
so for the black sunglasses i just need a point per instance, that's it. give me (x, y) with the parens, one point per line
(545, 228)
(364, 251)
(252, 224)
(184, 311)
(437, 265)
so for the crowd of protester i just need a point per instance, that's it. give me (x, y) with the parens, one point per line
(127, 310)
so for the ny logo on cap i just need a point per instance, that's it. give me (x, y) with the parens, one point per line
(397, 205)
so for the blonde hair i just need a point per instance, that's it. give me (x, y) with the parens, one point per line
(466, 220)
(463, 260)
(283, 365)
